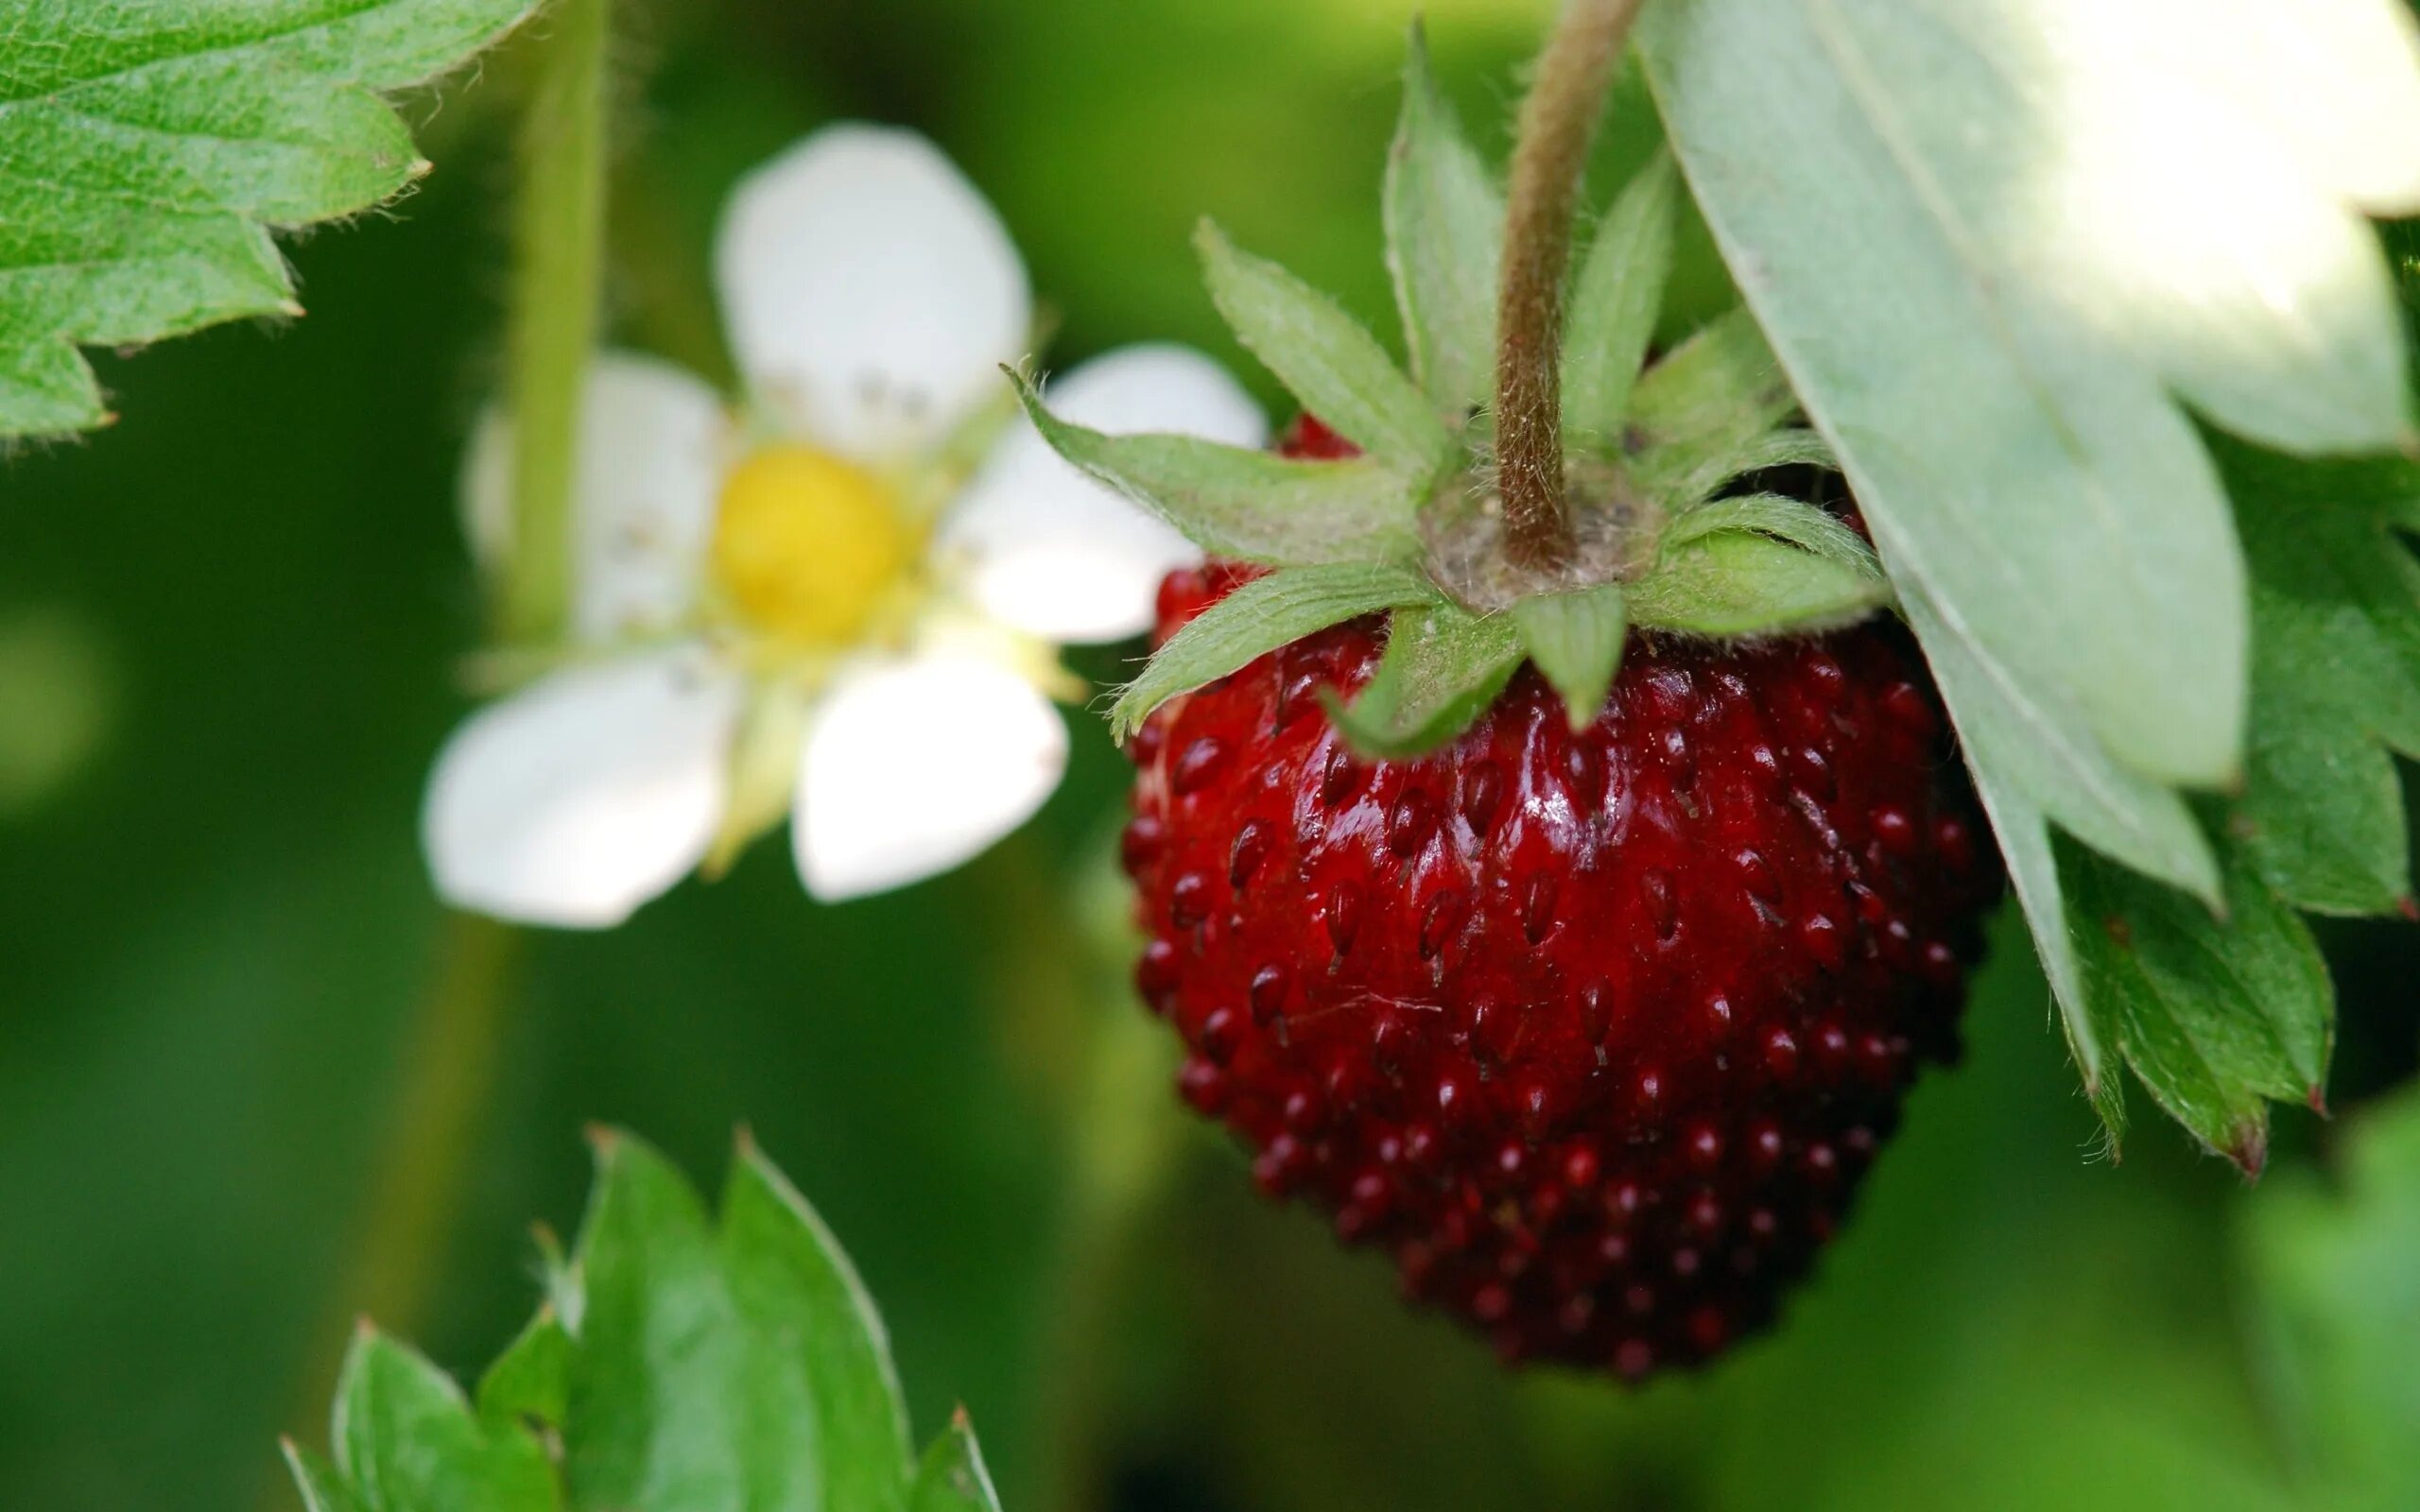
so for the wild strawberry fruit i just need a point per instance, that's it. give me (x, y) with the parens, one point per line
(1555, 869)
(1594, 1031)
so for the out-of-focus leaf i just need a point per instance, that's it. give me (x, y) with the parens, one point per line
(2336, 1296)
(951, 1477)
(406, 1440)
(147, 146)
(680, 1364)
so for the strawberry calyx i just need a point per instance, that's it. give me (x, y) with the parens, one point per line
(1400, 508)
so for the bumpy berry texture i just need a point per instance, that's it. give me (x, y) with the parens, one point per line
(1595, 1034)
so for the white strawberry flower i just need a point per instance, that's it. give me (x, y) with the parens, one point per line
(818, 604)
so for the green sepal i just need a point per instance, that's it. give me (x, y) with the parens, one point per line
(2216, 1018)
(1744, 583)
(1682, 477)
(1811, 527)
(1445, 219)
(1248, 505)
(1441, 667)
(1575, 639)
(1323, 357)
(1711, 401)
(1257, 618)
(1613, 307)
(951, 1476)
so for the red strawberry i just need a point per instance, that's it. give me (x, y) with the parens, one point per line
(1595, 1033)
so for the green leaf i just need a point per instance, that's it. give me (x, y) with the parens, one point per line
(1323, 357)
(2215, 1019)
(531, 1379)
(1575, 639)
(1994, 266)
(1256, 618)
(1741, 582)
(1613, 307)
(2335, 676)
(1441, 668)
(2041, 758)
(2336, 1302)
(1445, 233)
(148, 147)
(681, 1363)
(2033, 863)
(806, 1305)
(1251, 505)
(952, 1477)
(406, 1440)
(1713, 399)
(672, 1391)
(323, 1488)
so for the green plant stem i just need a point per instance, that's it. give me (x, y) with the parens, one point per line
(559, 222)
(1550, 157)
(446, 1074)
(447, 1071)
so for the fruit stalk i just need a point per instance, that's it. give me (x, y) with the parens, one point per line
(1550, 155)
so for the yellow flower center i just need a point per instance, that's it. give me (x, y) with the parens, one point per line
(807, 546)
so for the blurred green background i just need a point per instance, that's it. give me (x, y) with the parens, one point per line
(229, 639)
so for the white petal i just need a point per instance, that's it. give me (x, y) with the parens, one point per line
(914, 767)
(870, 293)
(653, 443)
(584, 795)
(1057, 554)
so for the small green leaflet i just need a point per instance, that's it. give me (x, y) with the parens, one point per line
(682, 1363)
(1575, 639)
(1256, 619)
(148, 147)
(1613, 308)
(1324, 358)
(1444, 235)
(1994, 323)
(2335, 1304)
(2216, 1020)
(1251, 505)
(1441, 667)
(2319, 823)
(2335, 675)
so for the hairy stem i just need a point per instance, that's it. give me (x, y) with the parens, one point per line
(1558, 121)
(558, 222)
